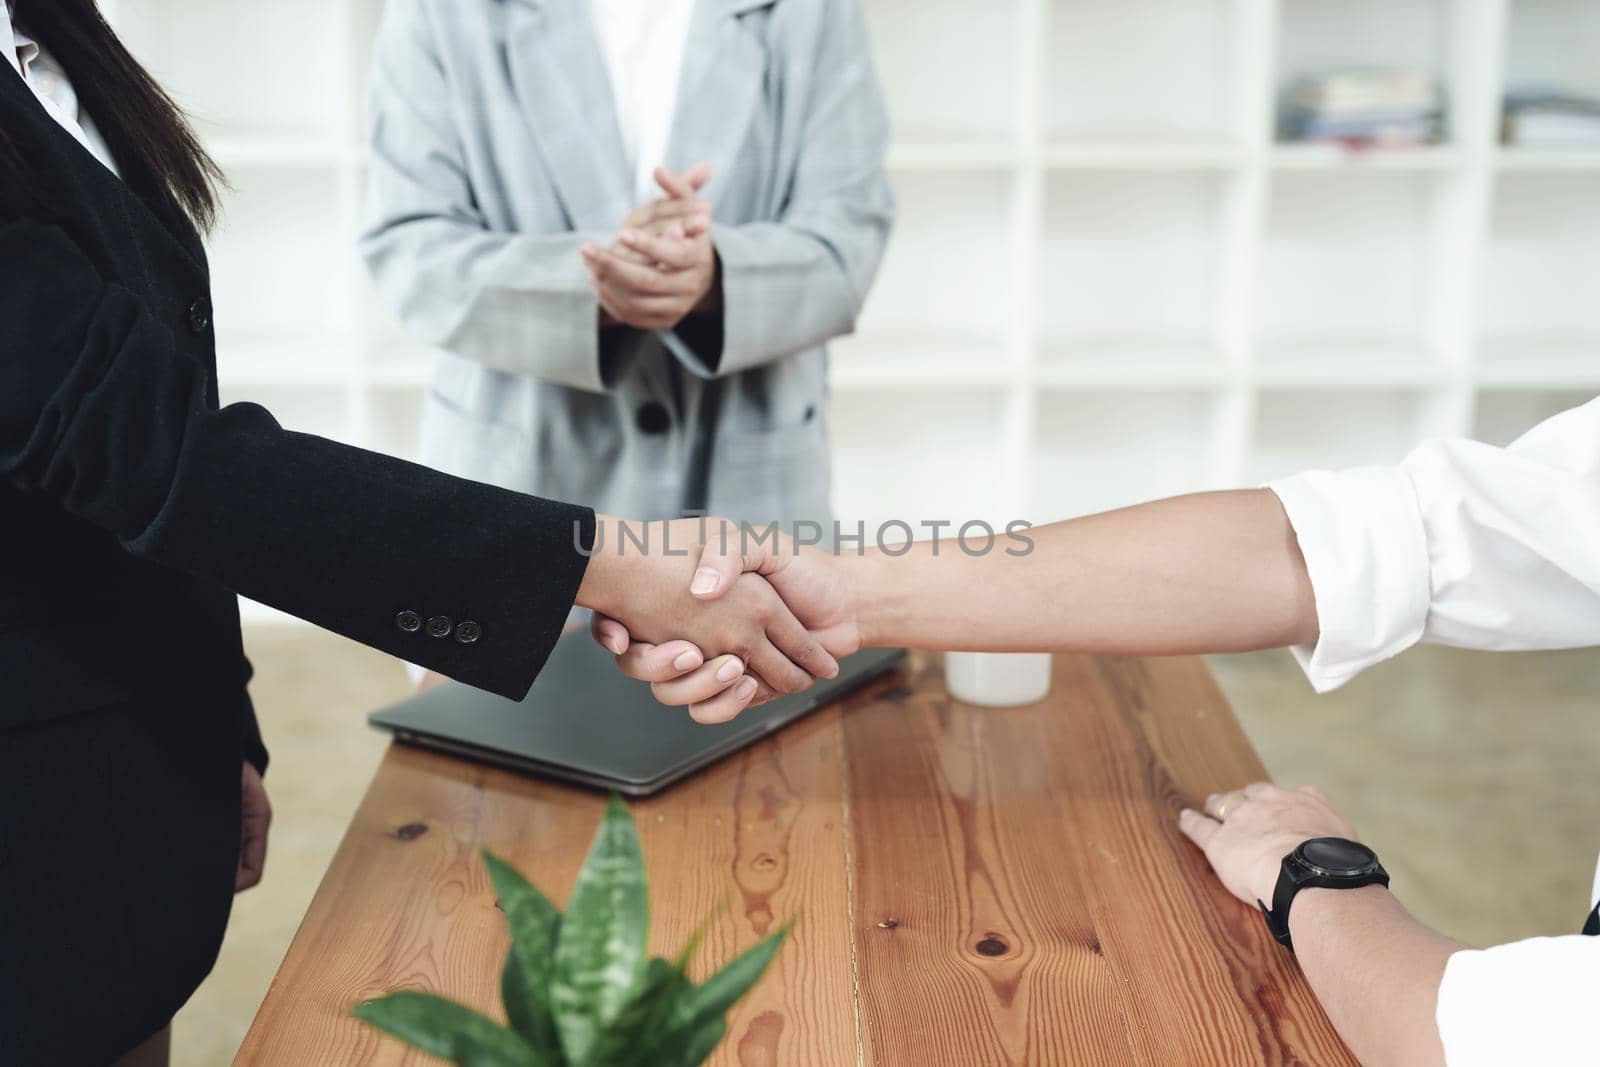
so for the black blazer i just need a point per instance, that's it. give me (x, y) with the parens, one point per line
(132, 508)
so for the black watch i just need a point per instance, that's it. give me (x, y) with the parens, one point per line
(1320, 863)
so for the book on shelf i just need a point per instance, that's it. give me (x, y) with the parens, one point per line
(1542, 118)
(1378, 107)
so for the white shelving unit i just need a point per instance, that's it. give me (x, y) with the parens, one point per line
(1108, 281)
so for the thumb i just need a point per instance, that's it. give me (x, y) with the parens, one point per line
(726, 554)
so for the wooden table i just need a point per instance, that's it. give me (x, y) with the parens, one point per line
(974, 887)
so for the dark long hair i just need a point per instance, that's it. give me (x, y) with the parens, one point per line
(144, 129)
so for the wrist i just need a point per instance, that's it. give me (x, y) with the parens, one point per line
(606, 578)
(874, 593)
(1318, 911)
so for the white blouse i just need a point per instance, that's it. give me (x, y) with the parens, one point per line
(643, 43)
(50, 85)
(1470, 545)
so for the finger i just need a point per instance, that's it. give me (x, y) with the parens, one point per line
(697, 176)
(623, 252)
(683, 186)
(1313, 791)
(1220, 805)
(1197, 827)
(638, 278)
(675, 253)
(724, 557)
(609, 634)
(800, 647)
(657, 213)
(727, 704)
(1256, 790)
(661, 663)
(777, 670)
(696, 225)
(252, 860)
(701, 684)
(646, 312)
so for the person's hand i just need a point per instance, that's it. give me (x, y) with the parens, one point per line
(254, 822)
(682, 213)
(639, 574)
(1245, 834)
(815, 585)
(664, 265)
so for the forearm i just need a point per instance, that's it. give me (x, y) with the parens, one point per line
(1376, 971)
(785, 288)
(1209, 572)
(519, 303)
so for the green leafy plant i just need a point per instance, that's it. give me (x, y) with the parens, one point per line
(578, 989)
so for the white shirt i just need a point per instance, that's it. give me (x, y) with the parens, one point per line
(643, 42)
(1480, 547)
(49, 84)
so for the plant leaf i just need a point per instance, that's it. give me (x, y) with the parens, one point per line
(450, 1031)
(600, 948)
(702, 1041)
(694, 1015)
(721, 990)
(633, 1037)
(525, 983)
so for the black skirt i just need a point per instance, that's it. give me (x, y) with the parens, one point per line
(119, 838)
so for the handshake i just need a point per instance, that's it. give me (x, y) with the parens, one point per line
(716, 617)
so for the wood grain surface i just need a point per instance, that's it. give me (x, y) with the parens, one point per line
(973, 886)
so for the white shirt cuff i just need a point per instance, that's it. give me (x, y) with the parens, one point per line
(1527, 1002)
(1361, 533)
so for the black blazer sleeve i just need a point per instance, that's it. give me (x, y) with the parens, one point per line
(100, 410)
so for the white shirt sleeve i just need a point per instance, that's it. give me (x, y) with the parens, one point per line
(1461, 544)
(1527, 1002)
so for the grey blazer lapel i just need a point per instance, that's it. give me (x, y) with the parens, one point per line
(560, 79)
(724, 64)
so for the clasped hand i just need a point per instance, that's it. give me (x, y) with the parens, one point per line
(727, 621)
(663, 266)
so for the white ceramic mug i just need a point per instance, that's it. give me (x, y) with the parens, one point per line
(997, 679)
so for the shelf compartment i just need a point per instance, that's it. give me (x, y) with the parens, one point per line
(1347, 256)
(1299, 157)
(951, 154)
(394, 422)
(1135, 156)
(1121, 249)
(946, 74)
(228, 66)
(1316, 37)
(282, 361)
(1551, 44)
(1503, 415)
(1548, 363)
(1354, 363)
(947, 268)
(1542, 160)
(872, 362)
(1102, 449)
(918, 454)
(282, 256)
(1542, 280)
(1305, 429)
(1147, 69)
(1129, 364)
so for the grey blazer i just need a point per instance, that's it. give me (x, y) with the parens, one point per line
(495, 155)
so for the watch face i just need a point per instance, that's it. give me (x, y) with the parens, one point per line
(1335, 855)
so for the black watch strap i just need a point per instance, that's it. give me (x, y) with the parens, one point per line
(1296, 874)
